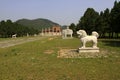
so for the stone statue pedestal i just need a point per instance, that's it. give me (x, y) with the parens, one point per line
(88, 49)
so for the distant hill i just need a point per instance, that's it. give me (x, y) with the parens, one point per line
(36, 23)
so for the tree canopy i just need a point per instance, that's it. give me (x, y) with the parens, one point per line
(8, 28)
(106, 23)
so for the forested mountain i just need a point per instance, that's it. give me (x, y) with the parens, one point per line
(36, 23)
(23, 27)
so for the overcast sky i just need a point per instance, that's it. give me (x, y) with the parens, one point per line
(63, 12)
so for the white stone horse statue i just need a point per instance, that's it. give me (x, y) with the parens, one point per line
(14, 36)
(85, 38)
(67, 32)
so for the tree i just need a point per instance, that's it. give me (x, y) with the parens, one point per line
(104, 22)
(73, 27)
(107, 22)
(115, 18)
(88, 21)
(2, 29)
(8, 28)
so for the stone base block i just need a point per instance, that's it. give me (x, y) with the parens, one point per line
(88, 49)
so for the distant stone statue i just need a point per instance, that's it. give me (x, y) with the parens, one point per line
(14, 36)
(27, 35)
(67, 32)
(85, 38)
(35, 34)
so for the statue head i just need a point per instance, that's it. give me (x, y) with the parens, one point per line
(82, 33)
(67, 27)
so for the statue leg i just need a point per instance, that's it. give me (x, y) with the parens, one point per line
(83, 44)
(95, 44)
(62, 35)
(65, 35)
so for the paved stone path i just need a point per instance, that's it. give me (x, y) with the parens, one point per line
(8, 43)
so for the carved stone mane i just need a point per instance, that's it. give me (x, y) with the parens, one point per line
(85, 38)
(84, 34)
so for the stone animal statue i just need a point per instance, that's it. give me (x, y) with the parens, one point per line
(14, 36)
(85, 38)
(67, 32)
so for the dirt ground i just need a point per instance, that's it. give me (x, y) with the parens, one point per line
(73, 53)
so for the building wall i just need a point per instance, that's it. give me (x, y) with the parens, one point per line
(54, 30)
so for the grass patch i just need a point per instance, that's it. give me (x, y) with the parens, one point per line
(29, 61)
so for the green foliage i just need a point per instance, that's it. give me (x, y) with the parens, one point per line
(89, 19)
(8, 28)
(23, 27)
(115, 18)
(107, 22)
(73, 27)
(104, 23)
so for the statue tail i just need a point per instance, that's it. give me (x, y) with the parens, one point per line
(94, 33)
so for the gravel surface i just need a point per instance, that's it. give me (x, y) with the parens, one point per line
(73, 53)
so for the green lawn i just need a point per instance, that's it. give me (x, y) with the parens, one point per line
(28, 61)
